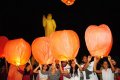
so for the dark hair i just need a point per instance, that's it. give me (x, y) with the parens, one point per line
(47, 67)
(107, 62)
(25, 69)
(71, 69)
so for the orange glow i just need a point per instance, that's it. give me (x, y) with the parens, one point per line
(64, 44)
(68, 2)
(41, 51)
(17, 51)
(98, 40)
(3, 41)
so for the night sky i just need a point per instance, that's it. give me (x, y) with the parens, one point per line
(23, 19)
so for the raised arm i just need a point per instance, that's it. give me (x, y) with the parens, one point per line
(80, 68)
(96, 60)
(112, 67)
(86, 65)
(30, 65)
(64, 72)
(36, 69)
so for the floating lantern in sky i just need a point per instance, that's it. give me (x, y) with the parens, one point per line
(64, 44)
(68, 2)
(17, 51)
(98, 40)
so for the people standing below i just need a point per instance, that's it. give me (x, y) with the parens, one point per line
(54, 72)
(28, 71)
(75, 70)
(65, 70)
(107, 73)
(87, 68)
(42, 73)
(117, 70)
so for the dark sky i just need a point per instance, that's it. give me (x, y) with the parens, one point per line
(23, 18)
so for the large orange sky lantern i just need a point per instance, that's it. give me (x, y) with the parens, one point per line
(98, 40)
(17, 51)
(41, 51)
(64, 44)
(3, 41)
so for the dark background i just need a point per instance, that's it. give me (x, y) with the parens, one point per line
(23, 18)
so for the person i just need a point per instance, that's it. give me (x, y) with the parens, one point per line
(117, 70)
(42, 72)
(87, 67)
(75, 70)
(54, 72)
(107, 73)
(49, 24)
(28, 71)
(64, 69)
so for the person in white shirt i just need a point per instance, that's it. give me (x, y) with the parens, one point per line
(107, 73)
(64, 69)
(87, 68)
(75, 70)
(42, 73)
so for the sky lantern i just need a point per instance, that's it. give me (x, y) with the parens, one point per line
(3, 40)
(17, 51)
(64, 44)
(41, 51)
(68, 2)
(98, 40)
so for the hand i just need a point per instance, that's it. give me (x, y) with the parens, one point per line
(29, 61)
(89, 58)
(96, 59)
(109, 58)
(75, 61)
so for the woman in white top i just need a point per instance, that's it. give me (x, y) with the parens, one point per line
(107, 73)
(75, 70)
(42, 73)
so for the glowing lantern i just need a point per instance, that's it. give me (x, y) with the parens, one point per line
(68, 2)
(17, 51)
(41, 51)
(3, 40)
(64, 44)
(98, 40)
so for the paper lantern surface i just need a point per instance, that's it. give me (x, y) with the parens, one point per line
(41, 51)
(3, 41)
(14, 74)
(98, 40)
(64, 44)
(68, 2)
(17, 51)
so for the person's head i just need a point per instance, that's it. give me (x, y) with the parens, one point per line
(28, 67)
(105, 64)
(49, 16)
(72, 64)
(53, 66)
(63, 63)
(74, 68)
(45, 67)
(84, 59)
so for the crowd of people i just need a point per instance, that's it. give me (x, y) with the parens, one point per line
(91, 68)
